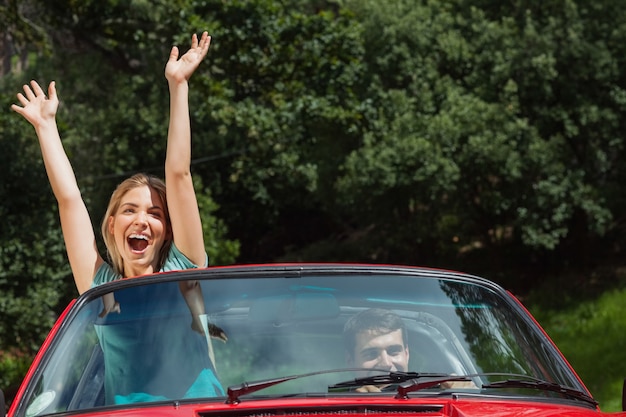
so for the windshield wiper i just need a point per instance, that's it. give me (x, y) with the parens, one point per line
(543, 386)
(420, 383)
(411, 381)
(236, 391)
(386, 378)
(517, 381)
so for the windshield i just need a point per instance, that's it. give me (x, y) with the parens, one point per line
(270, 327)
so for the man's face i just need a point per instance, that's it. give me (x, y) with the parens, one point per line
(381, 351)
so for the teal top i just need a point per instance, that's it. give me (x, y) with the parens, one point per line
(151, 361)
(175, 261)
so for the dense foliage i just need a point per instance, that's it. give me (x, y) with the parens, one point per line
(587, 325)
(481, 135)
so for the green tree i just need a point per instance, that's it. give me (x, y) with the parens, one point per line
(479, 134)
(280, 112)
(108, 60)
(499, 125)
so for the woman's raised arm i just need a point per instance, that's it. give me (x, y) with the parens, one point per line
(76, 225)
(181, 197)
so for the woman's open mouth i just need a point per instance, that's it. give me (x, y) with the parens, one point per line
(138, 242)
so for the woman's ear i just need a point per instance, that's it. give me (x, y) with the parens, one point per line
(111, 221)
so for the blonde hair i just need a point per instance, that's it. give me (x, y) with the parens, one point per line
(137, 180)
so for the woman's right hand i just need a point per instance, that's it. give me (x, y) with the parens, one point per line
(36, 107)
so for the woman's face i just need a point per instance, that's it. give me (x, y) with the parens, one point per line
(139, 229)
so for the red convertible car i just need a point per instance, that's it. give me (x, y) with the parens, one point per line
(300, 339)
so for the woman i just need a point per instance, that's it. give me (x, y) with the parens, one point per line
(145, 229)
(136, 224)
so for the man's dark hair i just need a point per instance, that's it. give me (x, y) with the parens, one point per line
(377, 321)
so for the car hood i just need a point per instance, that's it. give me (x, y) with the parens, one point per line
(371, 406)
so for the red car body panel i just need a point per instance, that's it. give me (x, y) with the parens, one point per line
(359, 406)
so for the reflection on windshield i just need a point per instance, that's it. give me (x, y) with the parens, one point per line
(147, 351)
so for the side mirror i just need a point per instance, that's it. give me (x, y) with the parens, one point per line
(624, 396)
(3, 406)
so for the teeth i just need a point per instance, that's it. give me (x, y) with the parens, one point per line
(137, 236)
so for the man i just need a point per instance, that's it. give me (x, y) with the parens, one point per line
(377, 339)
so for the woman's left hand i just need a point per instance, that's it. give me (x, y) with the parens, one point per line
(180, 70)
